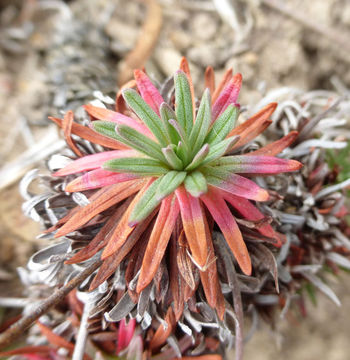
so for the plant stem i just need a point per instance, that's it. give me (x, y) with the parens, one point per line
(17, 329)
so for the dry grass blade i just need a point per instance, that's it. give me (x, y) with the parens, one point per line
(145, 43)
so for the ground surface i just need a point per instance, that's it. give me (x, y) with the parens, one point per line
(54, 54)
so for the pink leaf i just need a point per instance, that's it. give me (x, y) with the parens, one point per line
(96, 179)
(148, 91)
(250, 212)
(125, 334)
(118, 118)
(226, 222)
(94, 161)
(257, 164)
(239, 185)
(228, 96)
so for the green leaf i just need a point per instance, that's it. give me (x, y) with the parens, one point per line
(173, 160)
(219, 150)
(202, 123)
(170, 182)
(311, 291)
(179, 130)
(183, 101)
(146, 114)
(142, 143)
(196, 184)
(167, 113)
(199, 158)
(223, 125)
(139, 166)
(182, 151)
(146, 204)
(215, 175)
(106, 128)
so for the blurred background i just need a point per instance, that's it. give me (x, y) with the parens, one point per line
(56, 55)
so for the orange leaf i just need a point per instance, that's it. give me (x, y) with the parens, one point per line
(158, 241)
(90, 135)
(209, 79)
(111, 196)
(277, 146)
(162, 334)
(123, 230)
(193, 223)
(101, 239)
(202, 357)
(254, 125)
(67, 124)
(111, 263)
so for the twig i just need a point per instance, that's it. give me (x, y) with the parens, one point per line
(149, 33)
(331, 34)
(17, 329)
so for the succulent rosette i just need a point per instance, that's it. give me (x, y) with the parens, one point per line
(173, 170)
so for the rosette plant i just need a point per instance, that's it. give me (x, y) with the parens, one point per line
(172, 170)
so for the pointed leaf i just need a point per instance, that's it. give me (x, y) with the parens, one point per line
(142, 143)
(167, 113)
(88, 134)
(124, 233)
(220, 149)
(251, 212)
(148, 91)
(183, 102)
(102, 237)
(277, 146)
(147, 203)
(162, 230)
(184, 66)
(254, 125)
(223, 82)
(228, 96)
(227, 224)
(209, 78)
(182, 151)
(196, 184)
(193, 223)
(199, 158)
(235, 184)
(96, 179)
(138, 166)
(94, 161)
(257, 164)
(111, 196)
(173, 160)
(202, 123)
(223, 125)
(116, 117)
(146, 114)
(169, 183)
(106, 128)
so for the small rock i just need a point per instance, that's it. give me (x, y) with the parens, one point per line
(204, 26)
(181, 39)
(123, 35)
(168, 60)
(204, 55)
